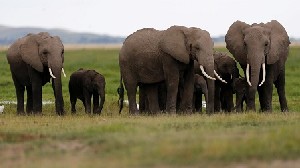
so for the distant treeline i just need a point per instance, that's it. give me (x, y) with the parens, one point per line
(9, 34)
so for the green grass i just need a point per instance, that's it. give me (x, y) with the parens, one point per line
(248, 139)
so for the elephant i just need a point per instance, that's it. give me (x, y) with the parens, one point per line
(239, 86)
(33, 60)
(83, 85)
(262, 50)
(226, 67)
(152, 56)
(200, 87)
(227, 70)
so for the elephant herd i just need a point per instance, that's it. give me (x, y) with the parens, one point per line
(172, 69)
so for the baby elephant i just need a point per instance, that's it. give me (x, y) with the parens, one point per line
(200, 87)
(83, 85)
(240, 89)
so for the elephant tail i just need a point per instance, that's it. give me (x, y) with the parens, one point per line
(121, 95)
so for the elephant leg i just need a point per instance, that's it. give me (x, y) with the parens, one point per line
(152, 98)
(20, 98)
(172, 90)
(266, 91)
(142, 99)
(162, 96)
(238, 102)
(217, 99)
(227, 99)
(87, 101)
(188, 89)
(280, 85)
(36, 80)
(172, 81)
(29, 104)
(198, 101)
(96, 103)
(131, 93)
(102, 97)
(73, 101)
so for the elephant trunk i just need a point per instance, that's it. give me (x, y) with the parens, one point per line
(252, 75)
(211, 91)
(206, 61)
(56, 71)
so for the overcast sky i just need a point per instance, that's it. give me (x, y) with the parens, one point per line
(122, 17)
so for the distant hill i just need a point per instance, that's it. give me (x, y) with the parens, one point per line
(9, 34)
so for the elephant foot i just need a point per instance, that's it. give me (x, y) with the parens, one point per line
(21, 113)
(285, 110)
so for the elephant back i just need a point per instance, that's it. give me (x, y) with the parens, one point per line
(13, 54)
(142, 40)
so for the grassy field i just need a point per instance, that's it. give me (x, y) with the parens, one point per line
(112, 140)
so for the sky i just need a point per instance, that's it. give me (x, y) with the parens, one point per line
(123, 17)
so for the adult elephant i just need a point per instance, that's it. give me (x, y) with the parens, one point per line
(33, 60)
(151, 56)
(262, 50)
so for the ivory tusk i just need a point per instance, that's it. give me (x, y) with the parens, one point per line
(219, 77)
(205, 74)
(264, 74)
(51, 74)
(247, 75)
(63, 71)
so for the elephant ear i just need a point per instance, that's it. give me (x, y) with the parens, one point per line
(29, 52)
(235, 41)
(173, 42)
(279, 41)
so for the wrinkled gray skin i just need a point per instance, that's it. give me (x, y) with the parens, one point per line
(83, 85)
(200, 88)
(226, 67)
(257, 44)
(239, 86)
(29, 58)
(151, 56)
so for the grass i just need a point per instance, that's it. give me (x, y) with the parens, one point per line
(237, 140)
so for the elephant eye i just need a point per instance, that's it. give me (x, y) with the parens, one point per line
(197, 48)
(266, 44)
(45, 52)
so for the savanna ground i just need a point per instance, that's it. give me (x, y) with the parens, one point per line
(250, 139)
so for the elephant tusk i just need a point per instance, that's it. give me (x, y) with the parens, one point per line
(247, 75)
(51, 74)
(219, 77)
(205, 74)
(264, 74)
(63, 71)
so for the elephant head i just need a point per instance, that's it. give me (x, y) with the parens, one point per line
(226, 66)
(185, 44)
(256, 45)
(94, 82)
(46, 53)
